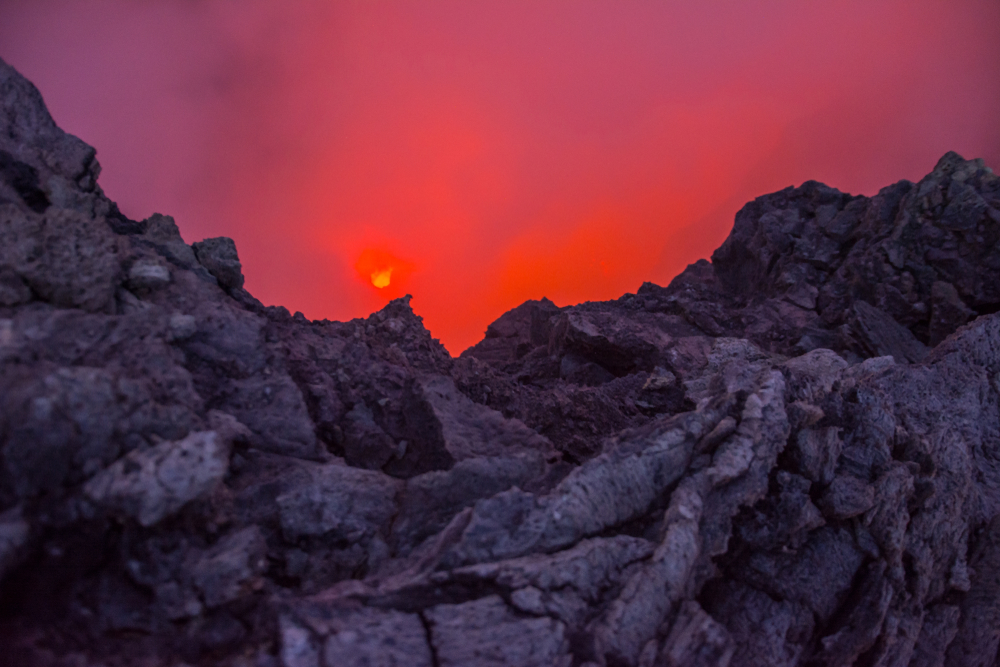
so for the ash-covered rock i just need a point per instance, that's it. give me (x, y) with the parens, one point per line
(788, 456)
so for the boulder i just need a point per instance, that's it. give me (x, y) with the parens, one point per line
(219, 256)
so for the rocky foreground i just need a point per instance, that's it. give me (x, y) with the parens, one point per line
(788, 456)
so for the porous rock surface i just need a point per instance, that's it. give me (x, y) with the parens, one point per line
(788, 456)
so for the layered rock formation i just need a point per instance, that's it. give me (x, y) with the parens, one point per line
(788, 456)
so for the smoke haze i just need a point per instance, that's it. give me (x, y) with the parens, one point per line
(494, 152)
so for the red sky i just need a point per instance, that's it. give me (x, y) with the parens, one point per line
(492, 152)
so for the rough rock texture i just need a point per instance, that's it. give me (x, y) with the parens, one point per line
(788, 456)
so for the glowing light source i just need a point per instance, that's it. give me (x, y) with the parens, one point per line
(381, 279)
(388, 273)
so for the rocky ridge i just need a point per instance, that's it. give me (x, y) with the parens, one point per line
(788, 456)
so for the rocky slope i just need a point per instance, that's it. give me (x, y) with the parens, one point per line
(788, 456)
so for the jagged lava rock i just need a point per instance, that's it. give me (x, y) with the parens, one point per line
(787, 456)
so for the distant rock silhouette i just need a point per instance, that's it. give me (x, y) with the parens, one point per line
(788, 456)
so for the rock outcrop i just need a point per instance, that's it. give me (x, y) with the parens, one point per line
(788, 456)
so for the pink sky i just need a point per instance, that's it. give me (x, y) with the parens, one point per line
(497, 151)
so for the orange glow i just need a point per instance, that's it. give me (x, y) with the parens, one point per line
(475, 155)
(382, 278)
(385, 271)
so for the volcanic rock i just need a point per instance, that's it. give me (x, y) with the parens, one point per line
(787, 456)
(219, 256)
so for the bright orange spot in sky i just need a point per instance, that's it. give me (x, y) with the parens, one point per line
(385, 271)
(475, 155)
(382, 278)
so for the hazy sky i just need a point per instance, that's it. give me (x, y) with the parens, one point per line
(483, 153)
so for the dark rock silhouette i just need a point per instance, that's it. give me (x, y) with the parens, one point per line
(788, 456)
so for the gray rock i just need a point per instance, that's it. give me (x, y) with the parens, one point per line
(486, 632)
(976, 639)
(846, 497)
(62, 256)
(817, 451)
(372, 638)
(654, 590)
(149, 485)
(146, 275)
(232, 568)
(564, 584)
(366, 445)
(818, 576)
(604, 492)
(163, 236)
(938, 630)
(182, 326)
(355, 637)
(696, 640)
(28, 132)
(472, 430)
(429, 501)
(298, 647)
(228, 340)
(219, 256)
(880, 335)
(948, 312)
(785, 518)
(863, 625)
(62, 424)
(347, 502)
(516, 333)
(765, 632)
(274, 410)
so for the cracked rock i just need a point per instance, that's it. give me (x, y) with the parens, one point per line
(149, 485)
